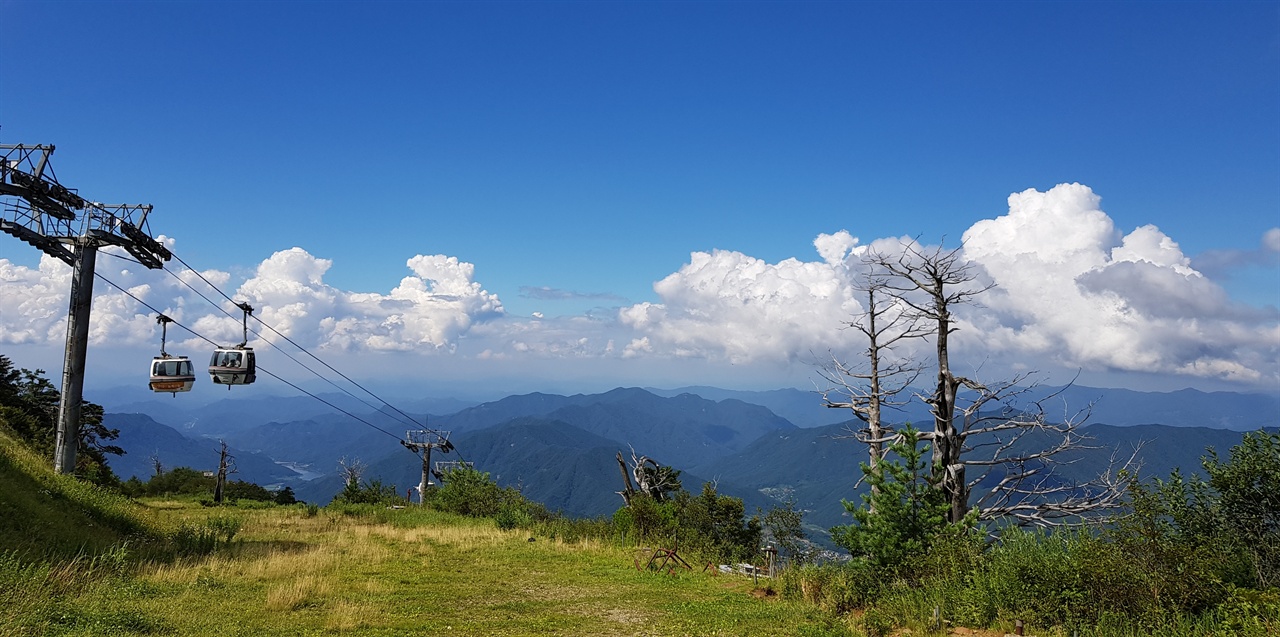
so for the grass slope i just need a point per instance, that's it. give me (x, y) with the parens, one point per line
(414, 572)
(48, 516)
(70, 564)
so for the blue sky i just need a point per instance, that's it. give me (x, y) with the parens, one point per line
(577, 153)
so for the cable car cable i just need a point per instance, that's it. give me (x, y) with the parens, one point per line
(295, 360)
(410, 422)
(277, 348)
(260, 368)
(301, 348)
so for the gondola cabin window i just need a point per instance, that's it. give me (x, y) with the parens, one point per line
(172, 367)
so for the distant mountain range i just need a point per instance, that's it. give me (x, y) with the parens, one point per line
(560, 450)
(1122, 407)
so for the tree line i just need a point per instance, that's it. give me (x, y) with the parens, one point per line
(29, 403)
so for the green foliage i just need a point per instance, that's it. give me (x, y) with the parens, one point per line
(241, 490)
(644, 520)
(1190, 557)
(513, 516)
(715, 526)
(1249, 500)
(784, 526)
(369, 492)
(176, 481)
(1170, 552)
(1251, 612)
(185, 481)
(1035, 576)
(472, 493)
(902, 514)
(466, 491)
(285, 496)
(711, 526)
(1187, 542)
(29, 404)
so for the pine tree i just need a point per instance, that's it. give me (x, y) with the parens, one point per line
(902, 514)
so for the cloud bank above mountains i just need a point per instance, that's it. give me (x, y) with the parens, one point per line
(1071, 291)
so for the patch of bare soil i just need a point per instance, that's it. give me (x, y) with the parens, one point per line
(959, 631)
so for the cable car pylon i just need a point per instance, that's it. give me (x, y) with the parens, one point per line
(423, 441)
(37, 209)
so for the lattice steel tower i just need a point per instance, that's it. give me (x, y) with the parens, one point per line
(37, 209)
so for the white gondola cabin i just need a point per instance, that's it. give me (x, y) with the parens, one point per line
(172, 374)
(233, 366)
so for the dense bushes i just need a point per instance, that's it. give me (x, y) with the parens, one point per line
(1077, 579)
(369, 492)
(710, 526)
(185, 481)
(1189, 556)
(466, 491)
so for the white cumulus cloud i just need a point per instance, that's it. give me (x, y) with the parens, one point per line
(1071, 290)
(1079, 292)
(431, 309)
(729, 305)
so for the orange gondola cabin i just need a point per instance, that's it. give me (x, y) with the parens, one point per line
(172, 374)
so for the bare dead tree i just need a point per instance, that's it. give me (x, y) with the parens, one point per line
(1017, 450)
(154, 458)
(627, 490)
(985, 430)
(651, 479)
(351, 470)
(867, 389)
(226, 465)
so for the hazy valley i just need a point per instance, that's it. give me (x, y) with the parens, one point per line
(761, 446)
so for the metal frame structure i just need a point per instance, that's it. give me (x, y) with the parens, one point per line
(37, 209)
(424, 440)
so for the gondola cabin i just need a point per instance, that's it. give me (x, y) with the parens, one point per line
(172, 374)
(232, 366)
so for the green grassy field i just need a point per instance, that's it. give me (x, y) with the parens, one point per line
(405, 572)
(76, 559)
